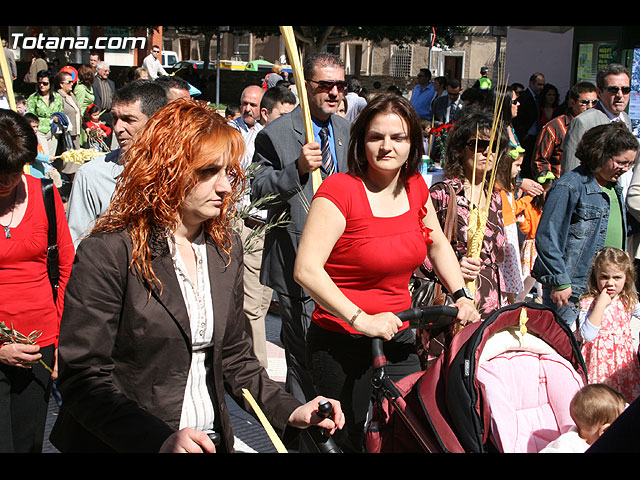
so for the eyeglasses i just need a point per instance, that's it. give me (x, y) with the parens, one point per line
(587, 102)
(613, 89)
(327, 85)
(515, 102)
(66, 81)
(43, 83)
(155, 51)
(624, 165)
(482, 145)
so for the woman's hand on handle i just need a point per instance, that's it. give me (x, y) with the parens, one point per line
(307, 415)
(467, 312)
(382, 325)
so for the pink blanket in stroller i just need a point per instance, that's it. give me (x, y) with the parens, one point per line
(528, 393)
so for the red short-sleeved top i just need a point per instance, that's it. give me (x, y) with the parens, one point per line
(26, 299)
(373, 260)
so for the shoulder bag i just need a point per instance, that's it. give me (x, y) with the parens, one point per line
(426, 290)
(52, 236)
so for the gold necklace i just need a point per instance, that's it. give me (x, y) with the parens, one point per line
(7, 232)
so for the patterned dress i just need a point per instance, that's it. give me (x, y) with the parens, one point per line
(489, 290)
(610, 358)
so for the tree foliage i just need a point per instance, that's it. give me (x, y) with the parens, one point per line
(315, 37)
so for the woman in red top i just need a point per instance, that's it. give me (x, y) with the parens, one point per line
(27, 302)
(365, 234)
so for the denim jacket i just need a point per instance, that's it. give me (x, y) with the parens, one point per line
(572, 229)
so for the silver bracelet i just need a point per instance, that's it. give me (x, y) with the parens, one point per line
(355, 315)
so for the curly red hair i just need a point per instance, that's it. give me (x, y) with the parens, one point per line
(161, 168)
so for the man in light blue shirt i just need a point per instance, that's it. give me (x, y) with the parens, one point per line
(95, 181)
(423, 94)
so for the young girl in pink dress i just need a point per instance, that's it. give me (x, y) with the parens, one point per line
(605, 323)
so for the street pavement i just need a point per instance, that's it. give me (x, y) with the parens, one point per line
(250, 436)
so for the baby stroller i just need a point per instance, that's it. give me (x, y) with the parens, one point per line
(502, 385)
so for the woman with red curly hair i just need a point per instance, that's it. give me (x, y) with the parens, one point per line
(153, 330)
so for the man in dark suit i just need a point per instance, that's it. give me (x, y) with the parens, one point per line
(446, 109)
(286, 162)
(527, 123)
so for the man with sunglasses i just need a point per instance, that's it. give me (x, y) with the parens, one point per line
(547, 156)
(152, 65)
(285, 162)
(614, 86)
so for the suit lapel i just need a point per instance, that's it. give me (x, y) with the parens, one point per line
(171, 297)
(297, 122)
(342, 143)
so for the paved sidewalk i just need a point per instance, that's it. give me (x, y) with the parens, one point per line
(250, 436)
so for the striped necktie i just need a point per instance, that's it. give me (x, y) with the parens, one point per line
(327, 160)
(452, 112)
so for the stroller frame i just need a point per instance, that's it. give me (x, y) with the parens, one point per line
(442, 409)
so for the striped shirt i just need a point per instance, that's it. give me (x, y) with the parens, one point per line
(547, 156)
(197, 408)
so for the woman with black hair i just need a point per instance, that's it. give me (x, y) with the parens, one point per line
(468, 156)
(43, 103)
(28, 302)
(550, 100)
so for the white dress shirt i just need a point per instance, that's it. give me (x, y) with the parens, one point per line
(197, 409)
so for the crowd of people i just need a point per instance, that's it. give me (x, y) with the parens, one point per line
(174, 242)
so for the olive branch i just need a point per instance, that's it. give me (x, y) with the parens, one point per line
(262, 203)
(10, 335)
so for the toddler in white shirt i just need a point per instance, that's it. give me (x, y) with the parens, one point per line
(592, 409)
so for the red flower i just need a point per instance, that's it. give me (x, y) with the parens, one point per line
(444, 126)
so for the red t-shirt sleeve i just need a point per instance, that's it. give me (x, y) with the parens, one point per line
(339, 189)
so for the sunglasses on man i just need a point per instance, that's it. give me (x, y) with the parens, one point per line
(613, 89)
(326, 85)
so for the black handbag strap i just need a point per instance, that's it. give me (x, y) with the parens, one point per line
(52, 235)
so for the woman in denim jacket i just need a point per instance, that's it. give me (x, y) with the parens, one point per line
(584, 212)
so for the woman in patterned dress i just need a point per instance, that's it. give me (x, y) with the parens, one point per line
(472, 132)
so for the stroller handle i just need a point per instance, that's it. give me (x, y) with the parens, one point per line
(421, 317)
(418, 316)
